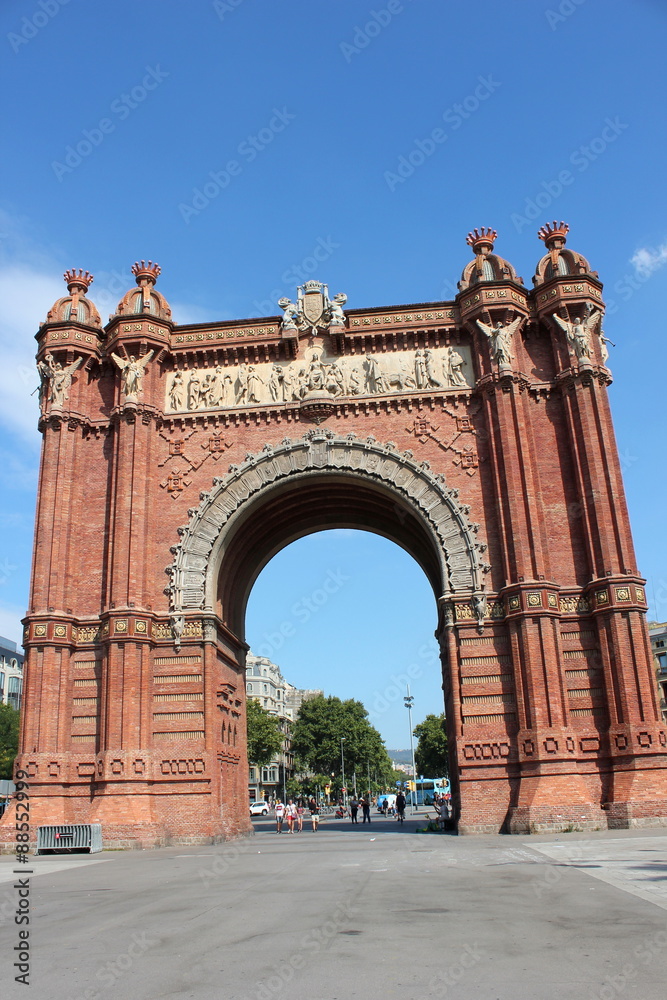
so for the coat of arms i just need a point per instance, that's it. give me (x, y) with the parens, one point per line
(313, 310)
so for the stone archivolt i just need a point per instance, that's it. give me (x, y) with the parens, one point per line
(319, 372)
(194, 572)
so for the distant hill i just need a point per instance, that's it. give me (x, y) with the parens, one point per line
(400, 756)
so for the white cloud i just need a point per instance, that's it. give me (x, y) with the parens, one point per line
(184, 313)
(30, 282)
(646, 260)
(27, 295)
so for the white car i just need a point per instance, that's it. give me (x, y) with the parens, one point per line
(259, 808)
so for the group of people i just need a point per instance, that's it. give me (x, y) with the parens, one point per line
(293, 814)
(363, 803)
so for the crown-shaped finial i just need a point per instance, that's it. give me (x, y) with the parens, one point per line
(79, 281)
(145, 272)
(553, 234)
(482, 239)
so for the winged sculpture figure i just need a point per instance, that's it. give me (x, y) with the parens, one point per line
(133, 370)
(500, 338)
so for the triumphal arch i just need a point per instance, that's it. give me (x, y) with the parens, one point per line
(475, 433)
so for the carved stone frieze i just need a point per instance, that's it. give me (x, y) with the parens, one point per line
(195, 389)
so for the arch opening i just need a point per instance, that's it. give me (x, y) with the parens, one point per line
(352, 614)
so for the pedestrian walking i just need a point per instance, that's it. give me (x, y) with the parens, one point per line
(354, 807)
(400, 807)
(299, 816)
(280, 815)
(366, 808)
(314, 814)
(290, 815)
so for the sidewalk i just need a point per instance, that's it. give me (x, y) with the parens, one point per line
(352, 911)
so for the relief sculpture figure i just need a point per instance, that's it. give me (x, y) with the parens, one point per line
(276, 383)
(375, 379)
(193, 390)
(255, 384)
(420, 369)
(429, 363)
(242, 385)
(177, 391)
(452, 368)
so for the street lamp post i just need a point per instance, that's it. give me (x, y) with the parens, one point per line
(342, 767)
(408, 700)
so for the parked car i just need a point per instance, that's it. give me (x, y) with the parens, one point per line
(259, 808)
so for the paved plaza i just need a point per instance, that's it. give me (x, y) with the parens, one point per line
(368, 911)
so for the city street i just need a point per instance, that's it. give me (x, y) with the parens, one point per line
(367, 911)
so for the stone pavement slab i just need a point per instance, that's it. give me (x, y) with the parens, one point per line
(347, 912)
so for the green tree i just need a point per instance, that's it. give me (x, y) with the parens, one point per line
(9, 740)
(317, 733)
(265, 738)
(431, 757)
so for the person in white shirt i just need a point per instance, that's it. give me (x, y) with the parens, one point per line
(280, 814)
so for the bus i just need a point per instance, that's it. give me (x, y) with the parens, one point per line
(426, 789)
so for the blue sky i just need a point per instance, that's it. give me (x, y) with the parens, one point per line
(233, 141)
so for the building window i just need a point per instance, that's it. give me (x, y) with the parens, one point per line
(249, 688)
(659, 643)
(14, 692)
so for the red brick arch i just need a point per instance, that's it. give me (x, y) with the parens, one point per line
(503, 482)
(321, 480)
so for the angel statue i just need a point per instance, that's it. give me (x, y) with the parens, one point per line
(604, 351)
(133, 370)
(58, 377)
(578, 330)
(501, 340)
